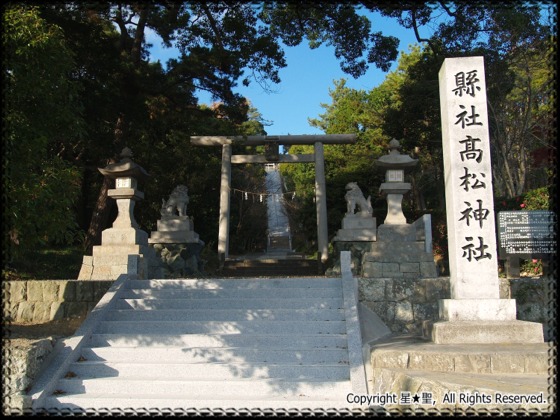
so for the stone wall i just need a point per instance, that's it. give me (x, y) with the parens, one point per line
(403, 304)
(535, 300)
(47, 300)
(22, 361)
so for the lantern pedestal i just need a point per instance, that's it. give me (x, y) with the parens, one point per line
(402, 250)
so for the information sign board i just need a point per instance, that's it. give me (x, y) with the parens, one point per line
(527, 232)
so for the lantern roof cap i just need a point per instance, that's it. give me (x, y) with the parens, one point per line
(395, 159)
(125, 168)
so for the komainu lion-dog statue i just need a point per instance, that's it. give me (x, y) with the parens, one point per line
(355, 198)
(178, 201)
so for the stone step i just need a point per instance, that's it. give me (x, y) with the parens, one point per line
(469, 390)
(312, 314)
(237, 284)
(140, 404)
(215, 303)
(270, 267)
(530, 358)
(271, 262)
(233, 388)
(262, 341)
(279, 293)
(200, 343)
(209, 371)
(221, 327)
(324, 356)
(280, 241)
(266, 273)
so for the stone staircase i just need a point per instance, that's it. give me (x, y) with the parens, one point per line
(270, 267)
(210, 344)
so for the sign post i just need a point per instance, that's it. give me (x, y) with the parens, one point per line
(526, 234)
(475, 313)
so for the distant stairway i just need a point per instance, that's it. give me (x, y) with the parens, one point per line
(201, 344)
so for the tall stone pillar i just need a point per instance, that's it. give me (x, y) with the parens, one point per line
(321, 203)
(475, 313)
(225, 188)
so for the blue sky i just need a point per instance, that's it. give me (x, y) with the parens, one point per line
(305, 82)
(307, 79)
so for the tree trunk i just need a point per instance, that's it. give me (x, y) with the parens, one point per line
(100, 217)
(104, 206)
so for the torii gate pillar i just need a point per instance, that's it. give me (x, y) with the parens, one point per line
(320, 185)
(321, 203)
(225, 188)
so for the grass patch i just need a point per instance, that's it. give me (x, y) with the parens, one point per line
(46, 264)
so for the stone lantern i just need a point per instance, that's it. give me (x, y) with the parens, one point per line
(126, 174)
(403, 250)
(394, 186)
(124, 247)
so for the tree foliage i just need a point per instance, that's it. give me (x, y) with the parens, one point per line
(517, 51)
(40, 124)
(81, 85)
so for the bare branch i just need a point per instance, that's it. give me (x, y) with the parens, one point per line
(417, 33)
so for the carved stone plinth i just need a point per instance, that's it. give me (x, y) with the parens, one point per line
(357, 227)
(174, 230)
(177, 247)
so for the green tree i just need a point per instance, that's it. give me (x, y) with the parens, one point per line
(351, 112)
(520, 121)
(221, 44)
(42, 119)
(129, 101)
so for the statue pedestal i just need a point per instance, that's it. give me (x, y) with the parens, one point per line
(357, 227)
(358, 232)
(177, 247)
(174, 230)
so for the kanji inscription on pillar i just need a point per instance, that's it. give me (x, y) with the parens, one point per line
(473, 259)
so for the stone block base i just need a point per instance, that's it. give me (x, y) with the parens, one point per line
(477, 310)
(359, 221)
(349, 235)
(101, 266)
(178, 237)
(177, 223)
(179, 260)
(130, 236)
(483, 332)
(398, 260)
(397, 233)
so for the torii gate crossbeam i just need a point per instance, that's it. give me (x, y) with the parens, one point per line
(273, 141)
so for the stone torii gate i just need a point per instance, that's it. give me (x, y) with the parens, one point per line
(272, 155)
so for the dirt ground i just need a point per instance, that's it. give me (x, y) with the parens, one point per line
(23, 332)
